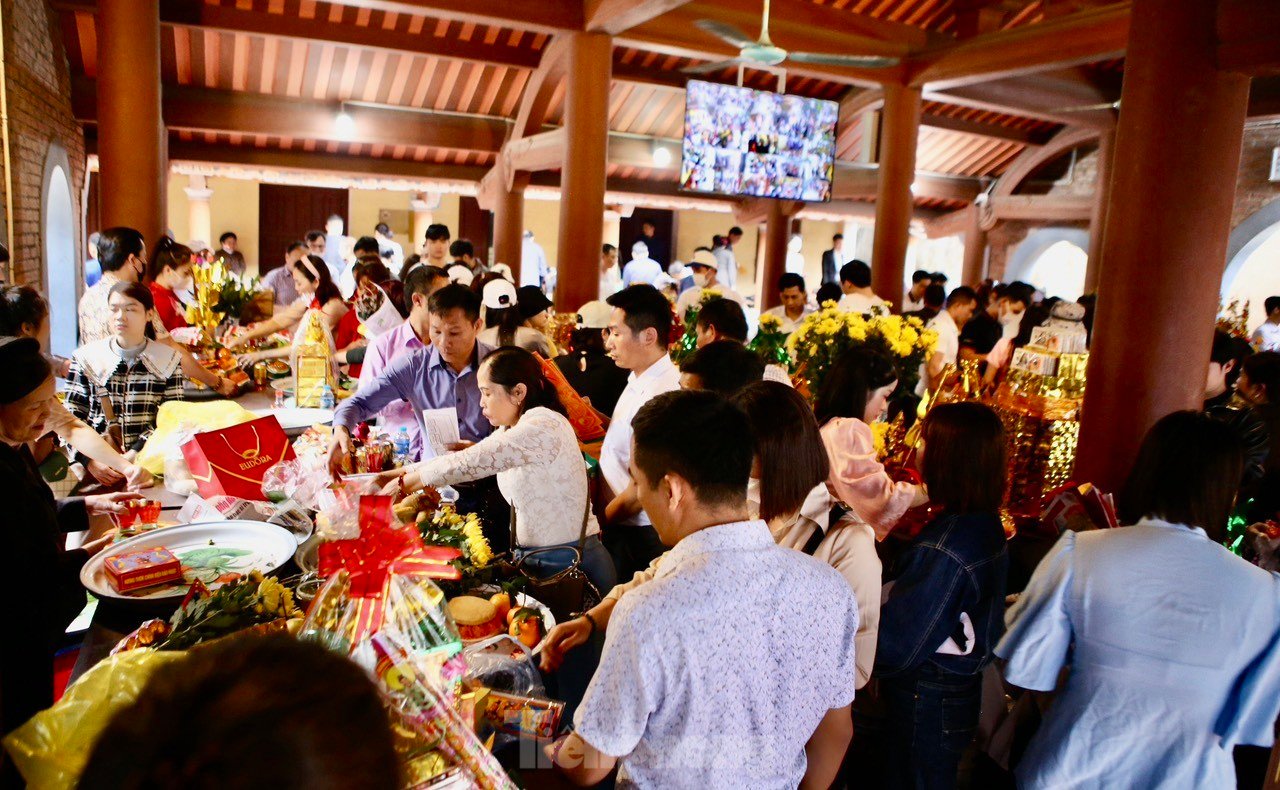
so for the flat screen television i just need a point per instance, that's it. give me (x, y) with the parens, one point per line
(742, 141)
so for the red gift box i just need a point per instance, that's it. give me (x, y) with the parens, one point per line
(137, 570)
(233, 460)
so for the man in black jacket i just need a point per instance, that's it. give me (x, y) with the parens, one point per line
(833, 259)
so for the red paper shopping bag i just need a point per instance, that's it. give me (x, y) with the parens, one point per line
(233, 460)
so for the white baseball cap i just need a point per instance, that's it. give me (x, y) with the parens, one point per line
(704, 258)
(499, 294)
(459, 273)
(594, 315)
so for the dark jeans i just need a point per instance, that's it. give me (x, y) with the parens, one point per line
(632, 547)
(932, 717)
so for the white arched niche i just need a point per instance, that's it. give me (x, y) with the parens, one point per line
(1053, 260)
(61, 262)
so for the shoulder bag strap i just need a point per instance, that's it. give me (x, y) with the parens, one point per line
(586, 516)
(814, 541)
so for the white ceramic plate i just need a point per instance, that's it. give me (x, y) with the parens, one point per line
(206, 551)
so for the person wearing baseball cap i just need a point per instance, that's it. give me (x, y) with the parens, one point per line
(505, 319)
(705, 277)
(587, 366)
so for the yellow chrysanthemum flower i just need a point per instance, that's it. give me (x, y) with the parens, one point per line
(478, 548)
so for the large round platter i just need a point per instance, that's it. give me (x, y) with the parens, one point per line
(207, 551)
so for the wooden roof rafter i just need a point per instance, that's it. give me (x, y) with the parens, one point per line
(400, 38)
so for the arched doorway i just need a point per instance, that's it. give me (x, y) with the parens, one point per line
(61, 264)
(1253, 262)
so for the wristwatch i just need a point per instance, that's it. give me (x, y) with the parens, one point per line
(587, 616)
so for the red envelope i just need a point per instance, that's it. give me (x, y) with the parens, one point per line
(233, 460)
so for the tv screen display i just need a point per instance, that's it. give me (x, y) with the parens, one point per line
(741, 141)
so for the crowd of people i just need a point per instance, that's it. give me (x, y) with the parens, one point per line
(765, 620)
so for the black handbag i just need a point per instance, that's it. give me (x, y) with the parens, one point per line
(565, 592)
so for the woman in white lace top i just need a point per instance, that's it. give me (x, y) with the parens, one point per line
(539, 466)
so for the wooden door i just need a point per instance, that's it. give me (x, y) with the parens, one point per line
(287, 213)
(662, 247)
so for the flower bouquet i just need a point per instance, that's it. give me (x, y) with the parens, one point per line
(219, 294)
(770, 342)
(255, 602)
(825, 335)
(447, 527)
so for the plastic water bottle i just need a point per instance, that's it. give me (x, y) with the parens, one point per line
(402, 444)
(326, 397)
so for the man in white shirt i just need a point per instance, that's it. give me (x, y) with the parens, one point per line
(641, 269)
(705, 270)
(639, 329)
(735, 666)
(390, 250)
(855, 281)
(727, 259)
(914, 300)
(795, 302)
(610, 272)
(961, 305)
(1267, 336)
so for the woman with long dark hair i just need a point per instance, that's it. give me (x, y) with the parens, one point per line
(131, 370)
(856, 392)
(1173, 642)
(941, 616)
(506, 323)
(316, 291)
(535, 455)
(787, 490)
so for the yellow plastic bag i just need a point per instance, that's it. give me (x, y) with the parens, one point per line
(52, 748)
(177, 420)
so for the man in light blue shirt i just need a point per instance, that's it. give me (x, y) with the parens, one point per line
(441, 376)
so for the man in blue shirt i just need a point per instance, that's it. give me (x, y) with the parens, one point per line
(440, 376)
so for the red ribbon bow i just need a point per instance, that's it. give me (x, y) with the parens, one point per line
(382, 550)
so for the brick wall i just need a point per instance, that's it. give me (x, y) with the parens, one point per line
(39, 95)
(1253, 190)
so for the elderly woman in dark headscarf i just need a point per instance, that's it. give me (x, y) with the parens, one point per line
(40, 585)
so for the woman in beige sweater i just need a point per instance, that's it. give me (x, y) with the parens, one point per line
(788, 490)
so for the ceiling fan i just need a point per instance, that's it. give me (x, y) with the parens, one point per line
(764, 53)
(1109, 105)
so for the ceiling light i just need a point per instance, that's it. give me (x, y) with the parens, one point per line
(661, 156)
(344, 125)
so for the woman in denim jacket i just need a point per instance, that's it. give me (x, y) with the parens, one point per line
(942, 614)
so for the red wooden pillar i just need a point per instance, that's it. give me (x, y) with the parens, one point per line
(131, 137)
(901, 127)
(1101, 205)
(508, 227)
(582, 179)
(777, 233)
(1173, 183)
(975, 251)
